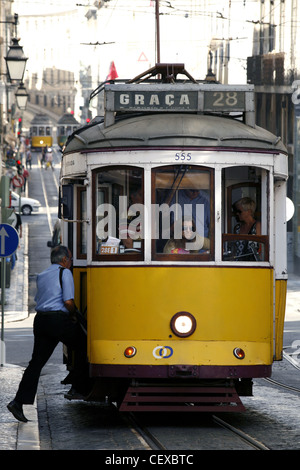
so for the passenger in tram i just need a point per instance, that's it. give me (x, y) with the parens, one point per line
(190, 242)
(191, 201)
(54, 322)
(244, 210)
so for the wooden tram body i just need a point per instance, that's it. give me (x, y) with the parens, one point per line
(167, 329)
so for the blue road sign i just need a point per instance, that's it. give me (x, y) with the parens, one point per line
(9, 240)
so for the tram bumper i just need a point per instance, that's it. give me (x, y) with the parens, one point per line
(180, 371)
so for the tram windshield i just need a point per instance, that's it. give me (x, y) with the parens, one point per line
(245, 231)
(182, 215)
(119, 208)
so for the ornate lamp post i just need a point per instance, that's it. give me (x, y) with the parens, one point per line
(21, 96)
(15, 61)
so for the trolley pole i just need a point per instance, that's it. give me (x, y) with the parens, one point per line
(157, 31)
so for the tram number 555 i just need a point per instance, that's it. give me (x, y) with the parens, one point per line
(182, 156)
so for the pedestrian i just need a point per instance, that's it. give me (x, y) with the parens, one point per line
(56, 237)
(25, 176)
(53, 322)
(28, 159)
(49, 158)
(17, 224)
(43, 159)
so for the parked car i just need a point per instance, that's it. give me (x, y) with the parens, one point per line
(28, 204)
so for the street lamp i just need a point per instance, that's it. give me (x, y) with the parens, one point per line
(15, 61)
(21, 96)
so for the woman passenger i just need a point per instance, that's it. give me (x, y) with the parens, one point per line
(244, 210)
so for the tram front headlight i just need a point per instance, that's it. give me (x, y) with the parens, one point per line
(183, 324)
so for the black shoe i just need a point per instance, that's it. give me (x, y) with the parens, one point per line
(16, 409)
(73, 394)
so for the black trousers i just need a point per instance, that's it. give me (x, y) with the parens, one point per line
(49, 329)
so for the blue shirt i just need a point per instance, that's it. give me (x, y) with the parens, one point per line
(189, 208)
(50, 295)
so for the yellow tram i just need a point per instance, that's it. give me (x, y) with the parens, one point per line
(177, 323)
(41, 132)
(66, 125)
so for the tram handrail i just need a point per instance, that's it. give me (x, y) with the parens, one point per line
(263, 239)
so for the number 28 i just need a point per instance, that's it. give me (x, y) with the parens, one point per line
(183, 156)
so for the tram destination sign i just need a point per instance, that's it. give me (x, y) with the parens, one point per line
(156, 100)
(178, 98)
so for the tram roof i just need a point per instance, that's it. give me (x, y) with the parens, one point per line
(67, 118)
(172, 130)
(41, 119)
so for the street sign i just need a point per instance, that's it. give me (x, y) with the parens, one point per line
(9, 240)
(18, 181)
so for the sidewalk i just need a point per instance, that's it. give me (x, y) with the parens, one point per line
(14, 434)
(25, 436)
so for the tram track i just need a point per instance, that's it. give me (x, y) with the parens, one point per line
(152, 442)
(283, 385)
(144, 435)
(45, 193)
(256, 444)
(157, 439)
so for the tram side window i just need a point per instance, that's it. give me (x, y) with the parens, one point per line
(82, 226)
(245, 231)
(118, 213)
(34, 131)
(182, 218)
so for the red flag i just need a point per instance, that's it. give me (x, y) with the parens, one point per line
(112, 74)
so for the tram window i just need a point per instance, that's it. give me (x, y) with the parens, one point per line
(61, 130)
(81, 227)
(182, 217)
(245, 227)
(48, 130)
(34, 131)
(118, 213)
(41, 130)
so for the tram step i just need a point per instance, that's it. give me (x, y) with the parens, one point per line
(187, 399)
